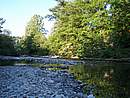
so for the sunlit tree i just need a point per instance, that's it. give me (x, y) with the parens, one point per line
(34, 37)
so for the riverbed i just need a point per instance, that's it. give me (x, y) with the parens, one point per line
(103, 79)
(34, 82)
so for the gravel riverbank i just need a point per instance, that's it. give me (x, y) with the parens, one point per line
(34, 82)
(48, 60)
(43, 60)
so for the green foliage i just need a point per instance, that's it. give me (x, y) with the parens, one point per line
(93, 28)
(76, 26)
(34, 41)
(83, 28)
(120, 24)
(7, 45)
(6, 41)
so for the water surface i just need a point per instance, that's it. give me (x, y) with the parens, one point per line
(106, 80)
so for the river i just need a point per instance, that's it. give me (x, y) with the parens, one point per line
(105, 80)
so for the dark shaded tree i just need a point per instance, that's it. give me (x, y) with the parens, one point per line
(6, 41)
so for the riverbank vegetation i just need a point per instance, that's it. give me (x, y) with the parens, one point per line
(83, 28)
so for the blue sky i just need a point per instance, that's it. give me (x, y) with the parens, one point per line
(18, 12)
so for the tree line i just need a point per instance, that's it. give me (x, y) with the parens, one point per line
(83, 28)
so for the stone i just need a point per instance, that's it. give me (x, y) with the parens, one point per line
(58, 96)
(30, 81)
(91, 96)
(50, 81)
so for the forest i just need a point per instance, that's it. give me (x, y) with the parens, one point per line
(83, 29)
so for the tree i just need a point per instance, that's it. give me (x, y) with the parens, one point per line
(6, 41)
(94, 28)
(1, 23)
(78, 23)
(120, 26)
(34, 38)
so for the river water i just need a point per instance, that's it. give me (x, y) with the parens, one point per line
(105, 80)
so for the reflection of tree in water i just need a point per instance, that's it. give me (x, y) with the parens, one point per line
(108, 81)
(121, 78)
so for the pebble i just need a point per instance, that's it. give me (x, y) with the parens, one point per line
(32, 82)
(44, 60)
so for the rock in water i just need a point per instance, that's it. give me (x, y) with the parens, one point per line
(90, 96)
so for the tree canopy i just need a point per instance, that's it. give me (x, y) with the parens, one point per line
(90, 28)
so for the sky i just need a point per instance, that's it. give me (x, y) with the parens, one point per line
(18, 12)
